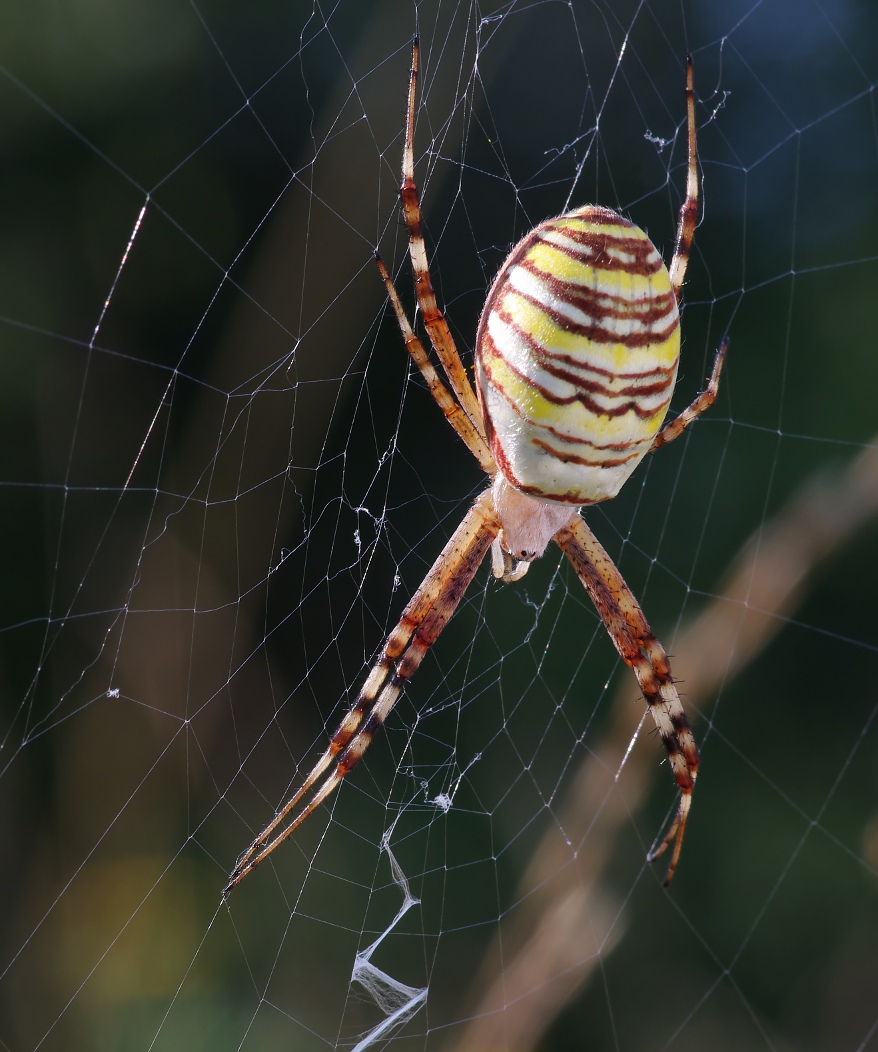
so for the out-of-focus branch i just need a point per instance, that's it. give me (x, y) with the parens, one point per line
(545, 952)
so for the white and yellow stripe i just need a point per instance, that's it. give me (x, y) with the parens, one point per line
(577, 355)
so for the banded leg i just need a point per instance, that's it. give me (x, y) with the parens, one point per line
(642, 652)
(434, 321)
(689, 208)
(703, 401)
(422, 620)
(679, 263)
(451, 408)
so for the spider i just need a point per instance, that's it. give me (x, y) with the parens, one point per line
(575, 364)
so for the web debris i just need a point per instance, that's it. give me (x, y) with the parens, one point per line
(398, 1001)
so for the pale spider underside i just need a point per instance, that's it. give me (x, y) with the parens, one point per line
(576, 359)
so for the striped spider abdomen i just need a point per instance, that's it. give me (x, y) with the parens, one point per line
(576, 356)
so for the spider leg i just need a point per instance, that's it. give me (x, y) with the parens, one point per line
(449, 406)
(689, 208)
(434, 321)
(685, 237)
(703, 401)
(642, 652)
(422, 620)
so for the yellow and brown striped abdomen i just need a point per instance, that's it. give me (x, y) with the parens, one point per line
(576, 356)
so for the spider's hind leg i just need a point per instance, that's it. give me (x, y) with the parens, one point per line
(422, 620)
(642, 652)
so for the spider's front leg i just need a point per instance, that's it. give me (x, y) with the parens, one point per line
(434, 321)
(703, 401)
(422, 620)
(642, 652)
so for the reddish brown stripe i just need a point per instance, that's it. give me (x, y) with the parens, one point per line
(359, 744)
(553, 364)
(595, 214)
(399, 639)
(559, 498)
(598, 333)
(502, 460)
(634, 391)
(680, 722)
(599, 304)
(510, 476)
(580, 396)
(535, 491)
(664, 375)
(645, 259)
(545, 355)
(672, 743)
(371, 724)
(572, 458)
(408, 663)
(615, 447)
(364, 700)
(503, 463)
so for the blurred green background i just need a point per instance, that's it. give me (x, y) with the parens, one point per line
(220, 484)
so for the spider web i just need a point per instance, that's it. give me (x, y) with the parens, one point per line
(221, 482)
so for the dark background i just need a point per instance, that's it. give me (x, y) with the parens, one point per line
(219, 490)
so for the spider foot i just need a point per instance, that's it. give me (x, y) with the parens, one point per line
(268, 839)
(673, 836)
